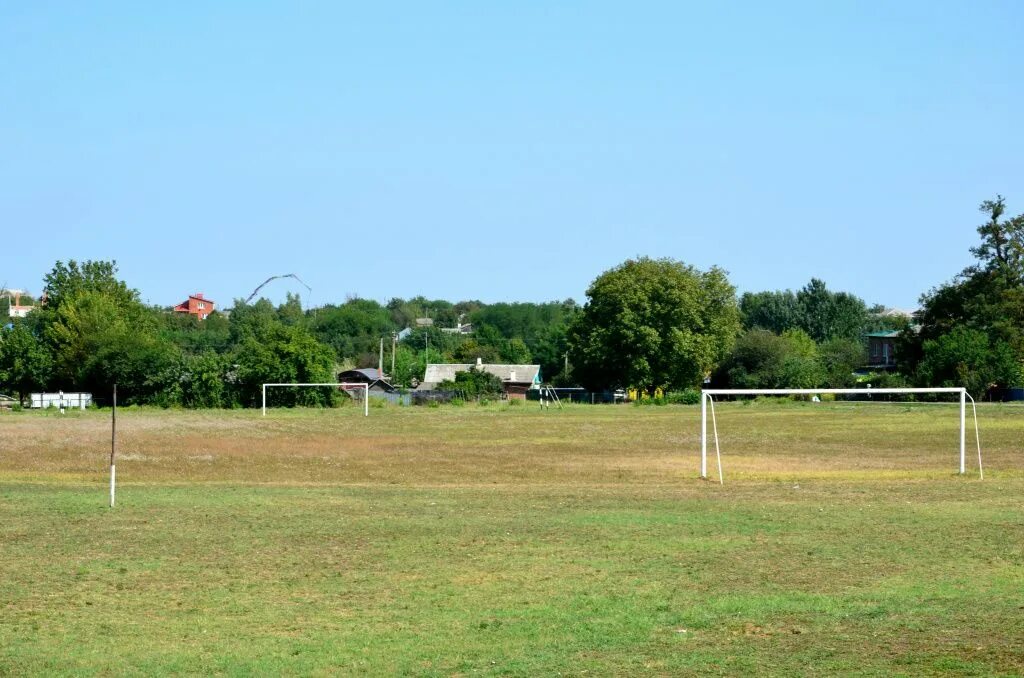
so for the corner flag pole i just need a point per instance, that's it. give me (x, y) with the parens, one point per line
(113, 446)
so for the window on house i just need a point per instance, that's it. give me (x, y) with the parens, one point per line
(202, 305)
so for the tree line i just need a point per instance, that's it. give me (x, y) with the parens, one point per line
(651, 324)
(93, 331)
(660, 325)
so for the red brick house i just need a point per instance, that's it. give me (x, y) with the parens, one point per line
(197, 305)
(882, 349)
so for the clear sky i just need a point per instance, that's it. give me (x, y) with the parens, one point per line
(504, 151)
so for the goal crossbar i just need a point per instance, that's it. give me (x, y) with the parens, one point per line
(345, 385)
(707, 396)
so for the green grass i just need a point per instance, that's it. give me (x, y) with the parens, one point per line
(497, 541)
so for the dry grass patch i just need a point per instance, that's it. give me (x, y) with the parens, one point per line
(514, 542)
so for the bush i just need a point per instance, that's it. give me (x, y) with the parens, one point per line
(891, 380)
(970, 358)
(474, 383)
(690, 396)
(457, 402)
(515, 402)
(762, 359)
(652, 400)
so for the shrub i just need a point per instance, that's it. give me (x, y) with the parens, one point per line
(690, 396)
(474, 383)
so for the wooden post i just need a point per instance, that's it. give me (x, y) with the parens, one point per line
(113, 447)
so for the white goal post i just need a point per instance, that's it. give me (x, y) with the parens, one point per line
(345, 385)
(707, 396)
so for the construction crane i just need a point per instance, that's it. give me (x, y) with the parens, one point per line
(276, 277)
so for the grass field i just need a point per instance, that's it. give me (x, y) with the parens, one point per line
(508, 541)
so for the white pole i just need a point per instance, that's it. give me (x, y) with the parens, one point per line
(718, 451)
(703, 435)
(977, 436)
(113, 446)
(963, 429)
(264, 400)
(366, 398)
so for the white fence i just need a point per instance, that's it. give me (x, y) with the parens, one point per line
(60, 400)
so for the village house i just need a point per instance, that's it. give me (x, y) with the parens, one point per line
(16, 309)
(882, 350)
(367, 375)
(516, 380)
(196, 305)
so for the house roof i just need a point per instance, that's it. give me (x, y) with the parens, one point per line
(897, 313)
(885, 334)
(438, 372)
(368, 373)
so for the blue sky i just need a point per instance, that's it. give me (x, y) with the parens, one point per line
(504, 151)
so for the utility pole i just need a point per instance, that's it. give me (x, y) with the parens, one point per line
(394, 345)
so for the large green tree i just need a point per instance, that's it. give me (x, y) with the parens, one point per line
(839, 358)
(65, 282)
(777, 310)
(1001, 251)
(98, 333)
(268, 351)
(24, 363)
(354, 328)
(968, 357)
(815, 309)
(987, 298)
(653, 323)
(826, 315)
(763, 359)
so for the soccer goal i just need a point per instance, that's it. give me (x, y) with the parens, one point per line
(347, 386)
(707, 398)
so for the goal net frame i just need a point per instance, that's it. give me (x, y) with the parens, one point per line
(345, 385)
(707, 396)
